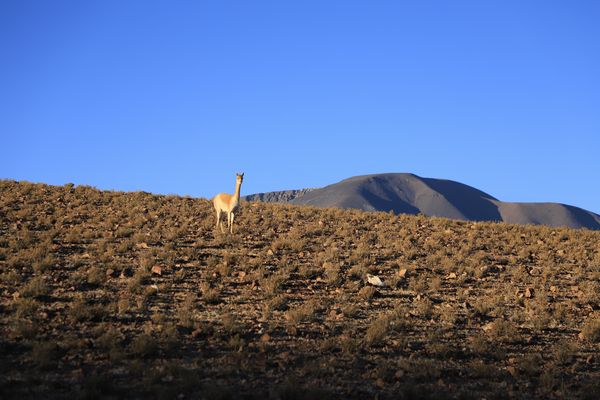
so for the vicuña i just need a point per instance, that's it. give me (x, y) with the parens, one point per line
(228, 204)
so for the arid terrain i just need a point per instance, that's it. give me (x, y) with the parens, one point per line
(112, 295)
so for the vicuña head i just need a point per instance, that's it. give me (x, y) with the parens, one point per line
(228, 204)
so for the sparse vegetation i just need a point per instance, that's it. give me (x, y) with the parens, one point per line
(133, 295)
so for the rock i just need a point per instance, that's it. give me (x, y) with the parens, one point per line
(265, 337)
(589, 359)
(110, 272)
(528, 293)
(452, 275)
(402, 273)
(157, 270)
(197, 332)
(488, 327)
(270, 252)
(142, 245)
(375, 280)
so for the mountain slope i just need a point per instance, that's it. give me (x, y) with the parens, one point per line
(133, 295)
(282, 196)
(410, 194)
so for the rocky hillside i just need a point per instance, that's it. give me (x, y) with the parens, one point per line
(113, 295)
(411, 194)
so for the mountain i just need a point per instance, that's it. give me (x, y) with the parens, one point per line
(283, 196)
(405, 193)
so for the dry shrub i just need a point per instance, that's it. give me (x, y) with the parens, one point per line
(304, 312)
(81, 311)
(144, 345)
(332, 272)
(26, 307)
(231, 324)
(367, 293)
(45, 354)
(185, 312)
(25, 329)
(36, 287)
(277, 303)
(272, 284)
(503, 331)
(380, 328)
(96, 276)
(209, 294)
(591, 329)
(357, 272)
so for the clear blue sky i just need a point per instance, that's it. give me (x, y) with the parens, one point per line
(175, 97)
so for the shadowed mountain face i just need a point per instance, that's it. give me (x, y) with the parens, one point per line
(411, 194)
(283, 196)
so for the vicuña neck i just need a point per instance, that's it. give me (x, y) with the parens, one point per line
(236, 195)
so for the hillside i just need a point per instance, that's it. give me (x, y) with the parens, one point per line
(411, 194)
(111, 294)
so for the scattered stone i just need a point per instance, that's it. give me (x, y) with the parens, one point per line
(197, 332)
(142, 245)
(157, 270)
(402, 273)
(528, 293)
(375, 280)
(589, 359)
(265, 338)
(110, 272)
(452, 275)
(488, 327)
(270, 252)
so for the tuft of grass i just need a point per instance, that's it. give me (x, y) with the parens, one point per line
(96, 276)
(144, 345)
(272, 284)
(591, 330)
(209, 294)
(36, 287)
(81, 311)
(367, 293)
(379, 329)
(45, 354)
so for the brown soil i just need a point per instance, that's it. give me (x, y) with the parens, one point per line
(109, 294)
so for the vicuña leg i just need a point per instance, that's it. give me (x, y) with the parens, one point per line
(219, 222)
(231, 217)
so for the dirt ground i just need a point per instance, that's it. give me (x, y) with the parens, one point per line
(112, 295)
